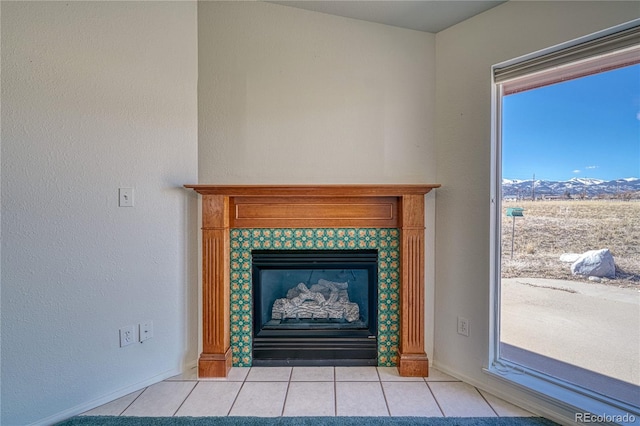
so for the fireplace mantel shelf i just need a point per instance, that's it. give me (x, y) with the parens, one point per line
(314, 190)
(316, 206)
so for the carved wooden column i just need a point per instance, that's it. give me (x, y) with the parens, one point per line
(215, 359)
(412, 359)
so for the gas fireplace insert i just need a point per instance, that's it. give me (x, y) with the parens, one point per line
(315, 307)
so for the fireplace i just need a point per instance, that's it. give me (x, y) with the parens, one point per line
(315, 307)
(239, 218)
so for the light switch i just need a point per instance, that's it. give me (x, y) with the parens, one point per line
(125, 197)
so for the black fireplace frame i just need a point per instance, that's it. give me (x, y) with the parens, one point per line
(315, 346)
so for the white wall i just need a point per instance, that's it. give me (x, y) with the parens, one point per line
(95, 96)
(291, 96)
(465, 54)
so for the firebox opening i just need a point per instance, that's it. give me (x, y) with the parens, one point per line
(315, 307)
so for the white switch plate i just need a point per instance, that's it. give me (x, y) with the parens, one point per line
(125, 197)
(146, 330)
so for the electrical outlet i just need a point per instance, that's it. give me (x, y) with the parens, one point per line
(146, 330)
(463, 326)
(127, 336)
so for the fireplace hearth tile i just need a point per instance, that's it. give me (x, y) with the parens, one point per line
(260, 399)
(356, 374)
(210, 399)
(360, 399)
(312, 374)
(310, 399)
(410, 399)
(160, 400)
(269, 374)
(458, 399)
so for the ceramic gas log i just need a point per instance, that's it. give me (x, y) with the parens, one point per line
(324, 300)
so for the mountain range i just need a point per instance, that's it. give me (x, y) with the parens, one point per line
(572, 188)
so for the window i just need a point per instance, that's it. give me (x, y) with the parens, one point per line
(567, 182)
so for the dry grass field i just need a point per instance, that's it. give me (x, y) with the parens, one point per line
(551, 228)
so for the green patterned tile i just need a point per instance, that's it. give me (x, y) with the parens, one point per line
(385, 240)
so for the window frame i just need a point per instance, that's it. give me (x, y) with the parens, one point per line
(569, 399)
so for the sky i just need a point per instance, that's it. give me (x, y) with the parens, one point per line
(583, 128)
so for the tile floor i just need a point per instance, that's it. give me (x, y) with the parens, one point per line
(311, 391)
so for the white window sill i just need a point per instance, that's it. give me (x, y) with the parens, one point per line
(567, 402)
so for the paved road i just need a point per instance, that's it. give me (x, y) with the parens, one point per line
(592, 326)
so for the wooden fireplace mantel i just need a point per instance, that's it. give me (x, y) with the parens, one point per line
(272, 206)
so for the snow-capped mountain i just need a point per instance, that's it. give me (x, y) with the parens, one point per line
(586, 181)
(572, 188)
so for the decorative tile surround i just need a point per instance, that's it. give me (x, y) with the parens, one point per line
(385, 240)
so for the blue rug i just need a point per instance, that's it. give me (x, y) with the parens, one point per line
(304, 421)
